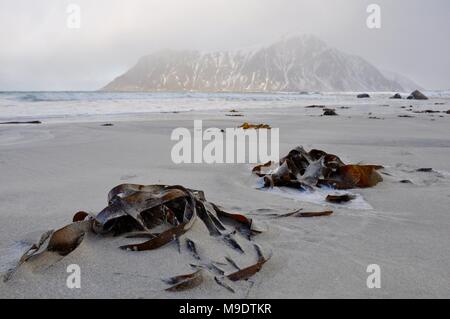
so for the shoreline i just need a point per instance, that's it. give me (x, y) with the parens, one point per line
(88, 107)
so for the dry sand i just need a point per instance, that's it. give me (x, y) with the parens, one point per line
(50, 171)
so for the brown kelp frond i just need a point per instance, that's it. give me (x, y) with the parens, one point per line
(221, 282)
(79, 216)
(232, 262)
(34, 249)
(242, 223)
(300, 213)
(160, 239)
(249, 271)
(244, 273)
(124, 190)
(313, 214)
(57, 243)
(232, 242)
(192, 247)
(263, 169)
(247, 126)
(304, 170)
(135, 211)
(65, 240)
(185, 282)
(208, 214)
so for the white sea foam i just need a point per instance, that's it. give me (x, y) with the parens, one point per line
(10, 255)
(317, 196)
(65, 106)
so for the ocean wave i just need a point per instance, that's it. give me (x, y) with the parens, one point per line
(30, 98)
(45, 105)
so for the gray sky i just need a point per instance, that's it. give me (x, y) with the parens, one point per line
(39, 52)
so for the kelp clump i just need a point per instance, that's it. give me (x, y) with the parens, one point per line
(135, 210)
(247, 126)
(305, 170)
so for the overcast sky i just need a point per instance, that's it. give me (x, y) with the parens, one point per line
(39, 52)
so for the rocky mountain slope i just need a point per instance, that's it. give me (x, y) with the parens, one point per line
(295, 64)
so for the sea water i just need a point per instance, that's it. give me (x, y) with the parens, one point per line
(80, 106)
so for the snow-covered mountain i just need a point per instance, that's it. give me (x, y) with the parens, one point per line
(303, 63)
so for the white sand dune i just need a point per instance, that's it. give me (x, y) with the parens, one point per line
(50, 171)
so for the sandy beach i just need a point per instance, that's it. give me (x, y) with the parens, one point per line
(51, 170)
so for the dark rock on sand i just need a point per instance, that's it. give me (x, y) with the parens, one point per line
(234, 114)
(396, 96)
(25, 122)
(340, 198)
(417, 95)
(363, 96)
(426, 111)
(424, 169)
(315, 106)
(329, 112)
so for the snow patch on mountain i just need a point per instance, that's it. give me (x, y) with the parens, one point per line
(301, 63)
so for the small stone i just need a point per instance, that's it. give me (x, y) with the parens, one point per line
(329, 112)
(396, 96)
